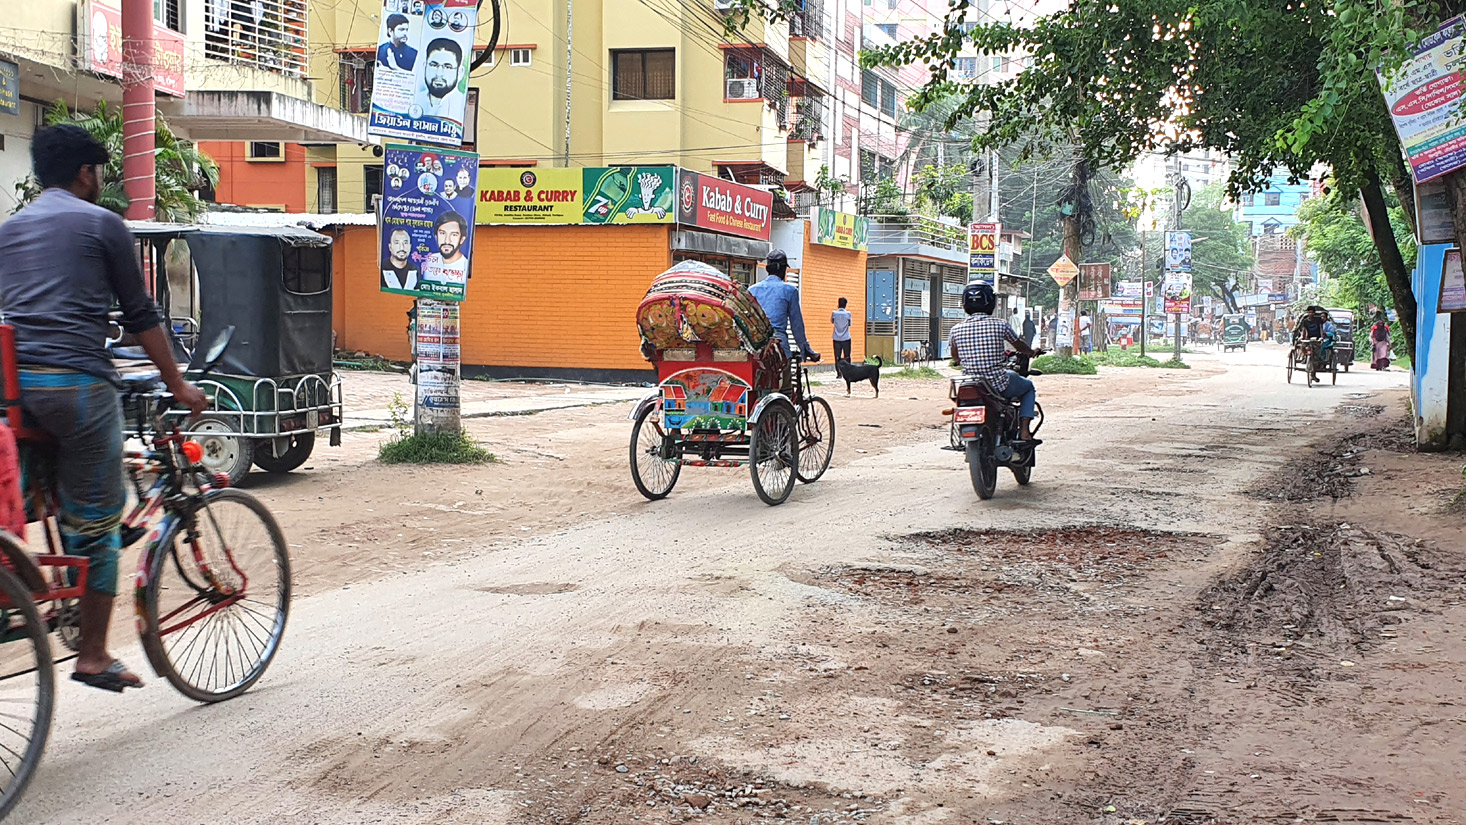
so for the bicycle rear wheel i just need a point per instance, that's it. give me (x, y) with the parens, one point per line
(217, 597)
(27, 689)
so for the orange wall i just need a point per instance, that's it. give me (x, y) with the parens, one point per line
(828, 274)
(258, 182)
(539, 296)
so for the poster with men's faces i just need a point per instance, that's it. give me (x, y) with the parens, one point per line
(427, 221)
(420, 85)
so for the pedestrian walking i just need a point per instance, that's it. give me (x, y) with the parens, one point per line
(840, 319)
(1379, 335)
(1030, 329)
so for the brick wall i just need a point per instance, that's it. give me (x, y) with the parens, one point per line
(541, 297)
(828, 274)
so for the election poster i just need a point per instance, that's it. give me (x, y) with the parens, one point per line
(420, 85)
(1178, 251)
(427, 225)
(1425, 98)
(1176, 293)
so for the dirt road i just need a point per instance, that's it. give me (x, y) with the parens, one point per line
(1131, 638)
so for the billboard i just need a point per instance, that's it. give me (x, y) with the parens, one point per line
(724, 206)
(9, 88)
(630, 194)
(101, 46)
(1424, 98)
(1094, 282)
(530, 196)
(982, 251)
(420, 83)
(1176, 293)
(426, 241)
(840, 229)
(1178, 251)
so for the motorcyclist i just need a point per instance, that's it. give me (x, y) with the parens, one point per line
(780, 301)
(980, 346)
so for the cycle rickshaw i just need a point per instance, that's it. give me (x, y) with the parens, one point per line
(212, 589)
(718, 402)
(1304, 356)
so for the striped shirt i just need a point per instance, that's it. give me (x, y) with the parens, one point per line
(980, 345)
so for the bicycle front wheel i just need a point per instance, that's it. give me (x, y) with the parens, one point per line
(27, 689)
(816, 439)
(217, 597)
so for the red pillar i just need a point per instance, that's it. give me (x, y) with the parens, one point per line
(138, 124)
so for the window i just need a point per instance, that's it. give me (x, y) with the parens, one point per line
(470, 119)
(644, 74)
(741, 72)
(965, 67)
(888, 98)
(356, 82)
(1247, 199)
(997, 63)
(326, 189)
(888, 28)
(306, 269)
(1272, 199)
(372, 187)
(519, 57)
(265, 150)
(168, 14)
(870, 88)
(270, 35)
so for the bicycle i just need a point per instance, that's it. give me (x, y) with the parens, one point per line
(212, 590)
(815, 426)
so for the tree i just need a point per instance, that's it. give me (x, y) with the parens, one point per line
(1225, 256)
(182, 168)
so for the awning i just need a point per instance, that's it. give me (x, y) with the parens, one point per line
(258, 115)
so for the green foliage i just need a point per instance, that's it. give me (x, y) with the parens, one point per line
(434, 448)
(885, 198)
(1063, 365)
(1174, 364)
(1120, 358)
(401, 421)
(827, 187)
(944, 190)
(1226, 254)
(1339, 241)
(922, 372)
(181, 167)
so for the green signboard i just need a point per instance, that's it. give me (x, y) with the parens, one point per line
(630, 194)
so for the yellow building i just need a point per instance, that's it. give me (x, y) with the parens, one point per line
(601, 82)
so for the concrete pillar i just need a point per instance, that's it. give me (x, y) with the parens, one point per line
(138, 116)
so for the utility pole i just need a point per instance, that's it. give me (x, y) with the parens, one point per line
(1073, 247)
(1180, 182)
(139, 168)
(1144, 297)
(569, 57)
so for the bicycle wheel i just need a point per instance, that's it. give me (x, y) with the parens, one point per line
(773, 454)
(1290, 368)
(217, 597)
(654, 476)
(27, 689)
(816, 439)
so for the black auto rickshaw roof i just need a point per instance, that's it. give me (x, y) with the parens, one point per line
(292, 235)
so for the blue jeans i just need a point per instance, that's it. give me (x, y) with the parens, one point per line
(1021, 388)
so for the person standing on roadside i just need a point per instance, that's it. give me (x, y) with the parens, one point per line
(1030, 329)
(1086, 330)
(840, 319)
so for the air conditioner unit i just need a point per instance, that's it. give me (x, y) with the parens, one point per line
(742, 88)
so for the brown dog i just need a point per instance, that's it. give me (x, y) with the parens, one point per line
(909, 356)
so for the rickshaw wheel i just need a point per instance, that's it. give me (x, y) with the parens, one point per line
(654, 476)
(27, 689)
(225, 450)
(773, 454)
(1290, 367)
(294, 456)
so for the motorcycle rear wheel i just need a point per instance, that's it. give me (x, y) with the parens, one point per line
(982, 465)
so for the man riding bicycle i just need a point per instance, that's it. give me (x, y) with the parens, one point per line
(1316, 325)
(980, 346)
(780, 301)
(67, 262)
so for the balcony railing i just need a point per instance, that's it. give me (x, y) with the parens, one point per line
(808, 21)
(916, 230)
(265, 34)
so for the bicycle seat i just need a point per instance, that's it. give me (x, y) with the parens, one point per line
(141, 381)
(129, 353)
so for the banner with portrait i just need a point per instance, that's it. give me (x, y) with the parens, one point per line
(426, 239)
(420, 80)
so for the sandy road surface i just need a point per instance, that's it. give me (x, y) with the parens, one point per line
(853, 655)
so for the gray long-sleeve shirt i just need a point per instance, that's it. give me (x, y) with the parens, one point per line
(63, 262)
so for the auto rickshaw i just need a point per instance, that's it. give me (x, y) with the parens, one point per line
(1233, 333)
(275, 388)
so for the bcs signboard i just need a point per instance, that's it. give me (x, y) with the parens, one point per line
(982, 253)
(724, 206)
(101, 49)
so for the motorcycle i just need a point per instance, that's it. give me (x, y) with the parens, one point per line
(984, 425)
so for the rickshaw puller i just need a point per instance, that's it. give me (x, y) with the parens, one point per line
(780, 301)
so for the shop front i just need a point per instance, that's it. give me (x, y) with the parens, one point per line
(562, 259)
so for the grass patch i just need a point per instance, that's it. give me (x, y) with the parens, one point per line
(916, 372)
(1120, 358)
(434, 448)
(1063, 365)
(1174, 364)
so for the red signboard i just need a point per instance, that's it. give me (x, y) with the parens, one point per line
(724, 206)
(1094, 282)
(102, 49)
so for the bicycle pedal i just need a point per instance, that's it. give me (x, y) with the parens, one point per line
(129, 535)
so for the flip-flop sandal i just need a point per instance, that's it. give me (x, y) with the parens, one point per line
(109, 679)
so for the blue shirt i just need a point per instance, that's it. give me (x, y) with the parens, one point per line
(393, 56)
(780, 301)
